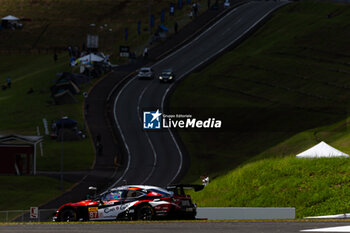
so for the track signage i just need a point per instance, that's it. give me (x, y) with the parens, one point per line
(124, 51)
(34, 212)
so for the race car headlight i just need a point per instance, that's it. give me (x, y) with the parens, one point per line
(160, 77)
(171, 77)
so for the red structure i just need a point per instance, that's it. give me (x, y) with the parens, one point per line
(18, 154)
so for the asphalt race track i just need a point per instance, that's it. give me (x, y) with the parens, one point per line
(154, 157)
(176, 227)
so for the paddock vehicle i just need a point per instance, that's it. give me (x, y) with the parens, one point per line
(132, 202)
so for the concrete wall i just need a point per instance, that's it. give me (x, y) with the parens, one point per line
(217, 213)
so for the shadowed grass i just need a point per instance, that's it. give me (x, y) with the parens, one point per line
(35, 191)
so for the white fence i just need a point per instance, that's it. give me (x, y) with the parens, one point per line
(236, 213)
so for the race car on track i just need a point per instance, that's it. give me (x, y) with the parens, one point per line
(167, 76)
(145, 73)
(133, 202)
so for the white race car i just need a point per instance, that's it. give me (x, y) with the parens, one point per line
(133, 202)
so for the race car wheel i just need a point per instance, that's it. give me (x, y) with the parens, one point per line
(68, 215)
(145, 212)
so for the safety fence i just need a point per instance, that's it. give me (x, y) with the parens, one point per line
(43, 215)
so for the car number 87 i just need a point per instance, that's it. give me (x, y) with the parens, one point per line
(93, 212)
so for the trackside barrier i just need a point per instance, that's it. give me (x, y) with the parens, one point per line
(44, 215)
(217, 213)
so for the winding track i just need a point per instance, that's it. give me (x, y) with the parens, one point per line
(154, 157)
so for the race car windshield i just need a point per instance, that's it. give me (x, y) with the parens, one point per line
(114, 195)
(145, 70)
(166, 73)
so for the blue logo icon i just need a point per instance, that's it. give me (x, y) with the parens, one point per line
(152, 119)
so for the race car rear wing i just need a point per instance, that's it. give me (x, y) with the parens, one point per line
(179, 189)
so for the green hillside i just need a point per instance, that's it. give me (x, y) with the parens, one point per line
(280, 92)
(314, 187)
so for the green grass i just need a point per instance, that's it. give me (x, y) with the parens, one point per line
(312, 186)
(278, 93)
(34, 191)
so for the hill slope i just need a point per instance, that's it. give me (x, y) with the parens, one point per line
(291, 76)
(280, 92)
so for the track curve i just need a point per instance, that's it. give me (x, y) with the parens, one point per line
(155, 157)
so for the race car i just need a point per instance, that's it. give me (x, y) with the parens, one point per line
(145, 73)
(132, 202)
(167, 76)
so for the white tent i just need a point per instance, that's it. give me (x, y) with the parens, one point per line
(91, 58)
(10, 18)
(87, 59)
(322, 149)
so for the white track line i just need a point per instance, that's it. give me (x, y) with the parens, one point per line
(121, 133)
(329, 229)
(148, 138)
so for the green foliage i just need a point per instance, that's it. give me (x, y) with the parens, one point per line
(312, 186)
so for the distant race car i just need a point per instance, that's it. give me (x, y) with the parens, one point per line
(133, 202)
(145, 73)
(167, 76)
